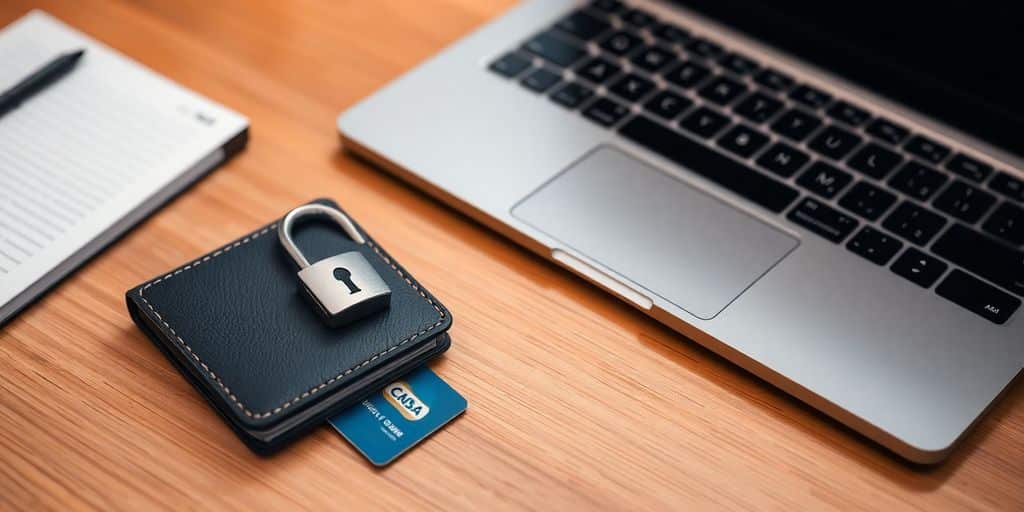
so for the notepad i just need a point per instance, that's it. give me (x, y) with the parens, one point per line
(92, 154)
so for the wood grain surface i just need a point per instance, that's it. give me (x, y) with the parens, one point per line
(576, 400)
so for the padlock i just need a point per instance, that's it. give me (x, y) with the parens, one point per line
(344, 287)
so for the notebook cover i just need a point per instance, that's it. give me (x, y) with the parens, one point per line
(131, 173)
(237, 323)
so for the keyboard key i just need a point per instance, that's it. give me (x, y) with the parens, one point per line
(758, 107)
(638, 18)
(834, 142)
(1008, 186)
(848, 113)
(742, 141)
(969, 168)
(510, 65)
(867, 200)
(608, 6)
(710, 164)
(722, 90)
(688, 74)
(919, 268)
(670, 33)
(667, 105)
(555, 49)
(874, 245)
(824, 180)
(984, 256)
(1007, 222)
(583, 25)
(926, 148)
(913, 223)
(598, 70)
(810, 96)
(783, 159)
(875, 161)
(704, 48)
(964, 202)
(774, 79)
(541, 80)
(572, 95)
(917, 181)
(738, 64)
(632, 87)
(605, 112)
(978, 296)
(887, 130)
(622, 42)
(795, 124)
(818, 218)
(652, 59)
(704, 122)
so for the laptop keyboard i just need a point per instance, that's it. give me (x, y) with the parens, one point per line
(893, 197)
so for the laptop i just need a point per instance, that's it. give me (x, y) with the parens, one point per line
(830, 195)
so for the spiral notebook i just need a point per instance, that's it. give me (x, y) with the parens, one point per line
(91, 155)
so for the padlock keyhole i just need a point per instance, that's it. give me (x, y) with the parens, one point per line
(345, 276)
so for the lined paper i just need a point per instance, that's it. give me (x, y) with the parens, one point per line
(89, 149)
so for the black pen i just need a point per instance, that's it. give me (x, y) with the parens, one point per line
(39, 80)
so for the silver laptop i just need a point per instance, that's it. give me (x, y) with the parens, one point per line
(828, 194)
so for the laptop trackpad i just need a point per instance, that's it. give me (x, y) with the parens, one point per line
(655, 230)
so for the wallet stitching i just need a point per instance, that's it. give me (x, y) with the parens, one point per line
(328, 382)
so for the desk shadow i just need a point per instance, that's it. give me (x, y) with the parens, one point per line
(786, 408)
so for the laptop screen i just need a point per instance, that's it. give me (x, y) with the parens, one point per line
(960, 62)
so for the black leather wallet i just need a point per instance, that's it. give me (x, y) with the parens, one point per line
(236, 324)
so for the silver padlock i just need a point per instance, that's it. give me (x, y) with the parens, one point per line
(345, 287)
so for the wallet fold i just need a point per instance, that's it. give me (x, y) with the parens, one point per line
(236, 324)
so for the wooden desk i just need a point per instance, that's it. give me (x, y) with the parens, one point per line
(576, 400)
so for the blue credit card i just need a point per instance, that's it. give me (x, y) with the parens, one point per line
(389, 422)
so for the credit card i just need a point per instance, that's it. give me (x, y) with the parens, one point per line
(389, 422)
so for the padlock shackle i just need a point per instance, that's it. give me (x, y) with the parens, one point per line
(284, 232)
